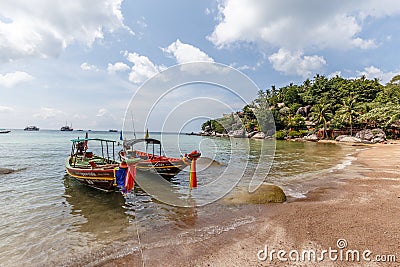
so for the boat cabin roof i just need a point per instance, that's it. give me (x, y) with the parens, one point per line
(91, 139)
(131, 142)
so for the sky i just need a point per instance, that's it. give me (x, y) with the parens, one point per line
(82, 62)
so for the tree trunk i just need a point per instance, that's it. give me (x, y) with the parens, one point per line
(351, 126)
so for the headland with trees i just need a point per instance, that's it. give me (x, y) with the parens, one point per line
(320, 108)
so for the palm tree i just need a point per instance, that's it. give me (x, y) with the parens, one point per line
(320, 114)
(349, 111)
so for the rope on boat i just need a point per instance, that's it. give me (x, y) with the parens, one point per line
(137, 230)
(129, 188)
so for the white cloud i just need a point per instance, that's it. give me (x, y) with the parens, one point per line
(372, 72)
(87, 67)
(14, 78)
(102, 112)
(45, 28)
(4, 109)
(298, 25)
(46, 113)
(142, 68)
(184, 53)
(296, 63)
(117, 67)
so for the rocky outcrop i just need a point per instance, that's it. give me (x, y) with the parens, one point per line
(8, 171)
(241, 133)
(303, 111)
(373, 136)
(348, 139)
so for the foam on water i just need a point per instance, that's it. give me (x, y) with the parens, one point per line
(345, 163)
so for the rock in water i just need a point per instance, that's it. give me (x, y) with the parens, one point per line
(266, 193)
(6, 171)
(207, 162)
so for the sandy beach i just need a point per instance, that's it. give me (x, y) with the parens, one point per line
(359, 212)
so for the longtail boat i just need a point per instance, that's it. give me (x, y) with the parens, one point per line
(98, 171)
(153, 162)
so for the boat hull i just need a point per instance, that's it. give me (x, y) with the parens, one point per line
(164, 168)
(104, 178)
(99, 178)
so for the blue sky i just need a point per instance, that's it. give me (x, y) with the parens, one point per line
(82, 61)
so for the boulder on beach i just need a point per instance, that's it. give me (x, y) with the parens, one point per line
(238, 133)
(311, 137)
(259, 135)
(348, 139)
(266, 193)
(251, 134)
(375, 135)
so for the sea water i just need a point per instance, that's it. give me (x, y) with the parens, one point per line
(49, 219)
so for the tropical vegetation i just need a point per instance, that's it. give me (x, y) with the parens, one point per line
(318, 104)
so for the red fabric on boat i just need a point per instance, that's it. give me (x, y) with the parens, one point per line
(130, 178)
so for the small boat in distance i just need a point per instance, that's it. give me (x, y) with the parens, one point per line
(66, 128)
(31, 128)
(113, 131)
(4, 131)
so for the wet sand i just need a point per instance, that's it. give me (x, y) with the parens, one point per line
(363, 207)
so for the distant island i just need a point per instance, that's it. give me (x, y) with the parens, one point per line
(323, 107)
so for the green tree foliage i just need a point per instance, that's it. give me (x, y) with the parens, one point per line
(382, 116)
(335, 103)
(215, 126)
(348, 112)
(321, 114)
(266, 118)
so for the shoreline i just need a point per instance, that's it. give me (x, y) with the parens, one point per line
(363, 207)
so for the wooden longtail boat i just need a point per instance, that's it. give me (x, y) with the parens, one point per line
(100, 172)
(153, 162)
(90, 169)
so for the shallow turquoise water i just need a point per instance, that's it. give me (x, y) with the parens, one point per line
(48, 219)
